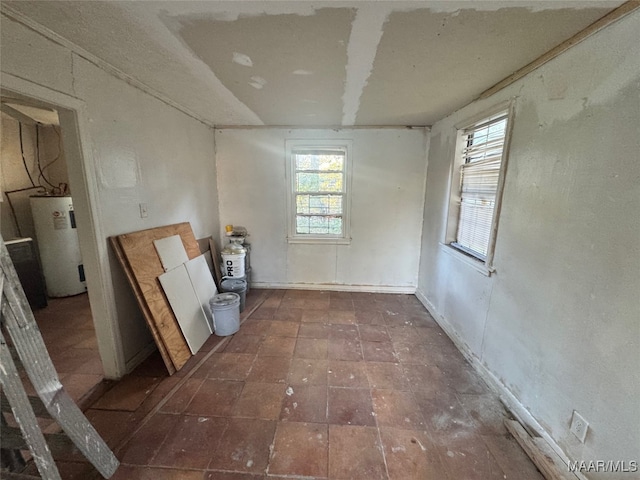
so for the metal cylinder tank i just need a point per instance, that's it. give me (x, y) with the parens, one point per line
(58, 244)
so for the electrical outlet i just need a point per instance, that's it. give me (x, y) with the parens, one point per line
(579, 426)
(143, 210)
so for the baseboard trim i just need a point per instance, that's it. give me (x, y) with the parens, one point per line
(510, 401)
(337, 287)
(140, 357)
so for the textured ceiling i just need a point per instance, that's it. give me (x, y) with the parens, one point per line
(321, 63)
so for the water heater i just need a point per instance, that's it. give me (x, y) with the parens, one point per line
(58, 243)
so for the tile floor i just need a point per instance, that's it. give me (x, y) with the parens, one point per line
(67, 328)
(314, 385)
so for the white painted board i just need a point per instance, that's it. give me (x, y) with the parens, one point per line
(186, 307)
(202, 283)
(171, 252)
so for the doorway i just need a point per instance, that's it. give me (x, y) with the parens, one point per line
(34, 185)
(98, 303)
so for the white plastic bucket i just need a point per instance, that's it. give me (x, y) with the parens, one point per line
(225, 308)
(233, 264)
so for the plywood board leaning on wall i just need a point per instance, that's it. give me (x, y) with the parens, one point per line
(145, 267)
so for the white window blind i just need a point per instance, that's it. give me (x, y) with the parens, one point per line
(479, 178)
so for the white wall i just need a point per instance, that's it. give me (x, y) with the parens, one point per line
(386, 208)
(13, 175)
(559, 322)
(143, 151)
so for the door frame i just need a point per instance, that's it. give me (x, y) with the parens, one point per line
(93, 242)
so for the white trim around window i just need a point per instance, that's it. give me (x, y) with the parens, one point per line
(318, 174)
(480, 193)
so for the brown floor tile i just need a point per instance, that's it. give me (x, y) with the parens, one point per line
(350, 406)
(311, 348)
(217, 475)
(379, 352)
(144, 445)
(128, 393)
(267, 369)
(289, 314)
(374, 333)
(316, 304)
(313, 330)
(254, 327)
(305, 403)
(244, 446)
(215, 398)
(345, 317)
(403, 334)
(228, 366)
(369, 317)
(260, 400)
(190, 442)
(365, 306)
(126, 472)
(283, 329)
(487, 411)
(463, 379)
(272, 302)
(80, 384)
(344, 331)
(410, 455)
(300, 449)
(355, 452)
(181, 398)
(397, 409)
(113, 426)
(347, 374)
(277, 346)
(469, 458)
(386, 375)
(244, 344)
(513, 461)
(344, 349)
(422, 319)
(315, 316)
(444, 416)
(305, 371)
(426, 379)
(341, 304)
(410, 353)
(397, 319)
(264, 312)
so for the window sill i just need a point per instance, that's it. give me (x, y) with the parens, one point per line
(319, 240)
(475, 263)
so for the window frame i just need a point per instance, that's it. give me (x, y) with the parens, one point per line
(485, 266)
(292, 145)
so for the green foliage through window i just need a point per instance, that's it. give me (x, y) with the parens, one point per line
(319, 191)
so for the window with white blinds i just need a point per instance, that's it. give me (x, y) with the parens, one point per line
(482, 152)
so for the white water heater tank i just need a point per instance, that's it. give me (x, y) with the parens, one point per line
(58, 244)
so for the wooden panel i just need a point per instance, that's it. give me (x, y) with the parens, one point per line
(164, 353)
(146, 268)
(186, 307)
(540, 453)
(217, 276)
